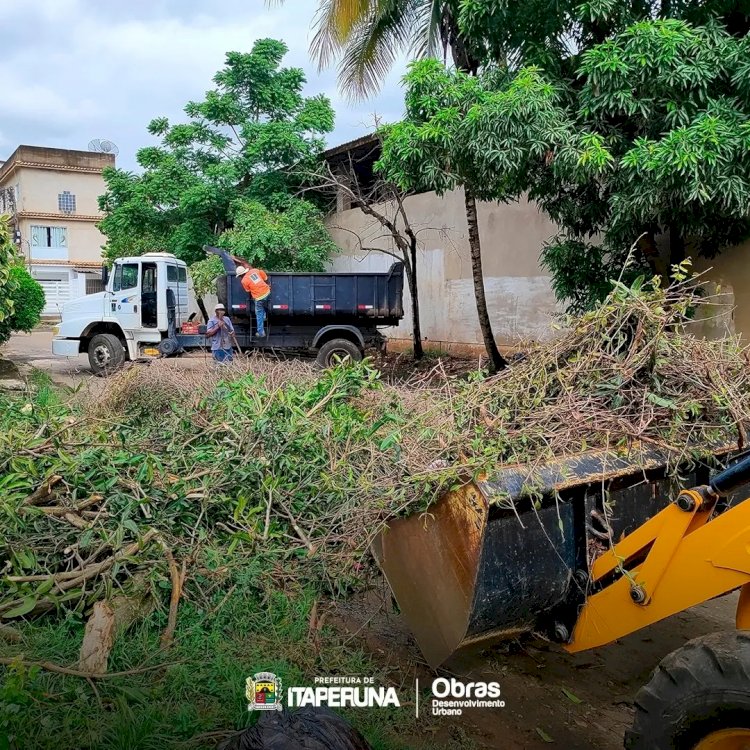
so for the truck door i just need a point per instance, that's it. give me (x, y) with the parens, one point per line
(125, 302)
(177, 282)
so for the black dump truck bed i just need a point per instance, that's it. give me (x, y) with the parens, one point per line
(371, 298)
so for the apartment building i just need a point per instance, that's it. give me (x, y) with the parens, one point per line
(51, 196)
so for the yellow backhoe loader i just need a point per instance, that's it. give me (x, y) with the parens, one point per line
(604, 546)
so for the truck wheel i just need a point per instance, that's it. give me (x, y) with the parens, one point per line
(337, 351)
(106, 354)
(698, 698)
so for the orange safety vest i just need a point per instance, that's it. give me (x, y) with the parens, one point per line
(254, 283)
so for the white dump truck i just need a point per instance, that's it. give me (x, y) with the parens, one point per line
(148, 310)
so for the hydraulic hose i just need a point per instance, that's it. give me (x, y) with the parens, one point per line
(731, 478)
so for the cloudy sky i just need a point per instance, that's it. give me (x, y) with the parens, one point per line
(74, 70)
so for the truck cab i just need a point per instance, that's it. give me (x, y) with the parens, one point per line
(145, 301)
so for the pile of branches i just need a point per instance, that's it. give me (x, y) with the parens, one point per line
(628, 375)
(298, 471)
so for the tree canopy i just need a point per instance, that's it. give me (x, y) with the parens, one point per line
(622, 129)
(235, 162)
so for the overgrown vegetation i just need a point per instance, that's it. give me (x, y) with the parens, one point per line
(253, 492)
(144, 465)
(7, 256)
(27, 297)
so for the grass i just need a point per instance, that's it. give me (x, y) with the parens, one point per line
(200, 689)
(244, 608)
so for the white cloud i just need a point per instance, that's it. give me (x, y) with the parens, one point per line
(82, 69)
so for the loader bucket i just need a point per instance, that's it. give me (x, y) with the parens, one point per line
(487, 561)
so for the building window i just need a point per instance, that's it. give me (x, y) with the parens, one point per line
(49, 236)
(66, 202)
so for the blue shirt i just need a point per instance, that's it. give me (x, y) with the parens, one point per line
(222, 338)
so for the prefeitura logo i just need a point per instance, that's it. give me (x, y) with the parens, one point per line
(263, 690)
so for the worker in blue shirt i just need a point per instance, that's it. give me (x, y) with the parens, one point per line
(221, 332)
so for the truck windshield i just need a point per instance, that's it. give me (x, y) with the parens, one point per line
(125, 277)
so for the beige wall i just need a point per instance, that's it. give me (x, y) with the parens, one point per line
(730, 274)
(37, 192)
(519, 295)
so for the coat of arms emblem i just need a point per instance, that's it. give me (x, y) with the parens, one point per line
(263, 690)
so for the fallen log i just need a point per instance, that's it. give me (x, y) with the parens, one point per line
(108, 619)
(43, 491)
(98, 639)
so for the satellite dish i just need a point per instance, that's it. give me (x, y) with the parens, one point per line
(101, 146)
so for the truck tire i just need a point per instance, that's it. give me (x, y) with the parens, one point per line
(336, 351)
(106, 354)
(698, 697)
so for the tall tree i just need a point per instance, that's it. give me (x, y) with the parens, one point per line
(366, 36)
(385, 203)
(440, 145)
(627, 131)
(239, 156)
(653, 137)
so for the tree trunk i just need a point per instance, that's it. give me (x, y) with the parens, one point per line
(414, 291)
(497, 361)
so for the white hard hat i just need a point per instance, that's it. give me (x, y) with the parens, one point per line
(220, 307)
(240, 270)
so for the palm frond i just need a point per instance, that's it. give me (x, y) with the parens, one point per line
(374, 44)
(428, 29)
(334, 23)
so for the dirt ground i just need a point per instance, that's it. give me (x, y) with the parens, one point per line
(35, 350)
(534, 675)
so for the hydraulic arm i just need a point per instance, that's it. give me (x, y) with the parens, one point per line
(688, 553)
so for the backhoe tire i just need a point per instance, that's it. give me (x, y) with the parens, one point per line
(106, 354)
(698, 697)
(338, 351)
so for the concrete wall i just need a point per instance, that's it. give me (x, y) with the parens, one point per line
(519, 295)
(37, 192)
(730, 288)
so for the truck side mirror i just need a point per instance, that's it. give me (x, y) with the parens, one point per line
(105, 275)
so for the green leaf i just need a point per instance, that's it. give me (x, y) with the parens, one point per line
(660, 401)
(570, 696)
(22, 609)
(45, 587)
(545, 737)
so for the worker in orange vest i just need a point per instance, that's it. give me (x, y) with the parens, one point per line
(255, 282)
